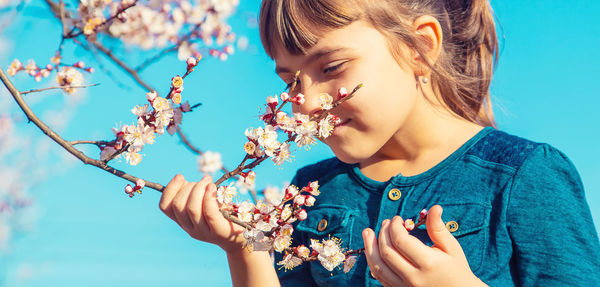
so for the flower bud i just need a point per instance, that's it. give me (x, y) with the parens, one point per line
(140, 182)
(422, 215)
(79, 64)
(284, 96)
(129, 190)
(342, 93)
(309, 201)
(191, 62)
(301, 214)
(409, 224)
(151, 96)
(298, 99)
(299, 200)
(272, 102)
(228, 49)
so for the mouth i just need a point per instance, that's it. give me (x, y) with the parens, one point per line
(342, 123)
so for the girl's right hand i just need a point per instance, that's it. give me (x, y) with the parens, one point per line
(194, 206)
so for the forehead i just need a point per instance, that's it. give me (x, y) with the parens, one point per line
(355, 37)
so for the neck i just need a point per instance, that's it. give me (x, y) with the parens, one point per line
(429, 135)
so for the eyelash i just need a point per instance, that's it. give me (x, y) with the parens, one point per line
(332, 68)
(325, 71)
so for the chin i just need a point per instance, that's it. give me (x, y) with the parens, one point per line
(347, 157)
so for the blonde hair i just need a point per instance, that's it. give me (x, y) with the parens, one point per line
(462, 73)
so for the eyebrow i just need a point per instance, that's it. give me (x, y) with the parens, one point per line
(313, 57)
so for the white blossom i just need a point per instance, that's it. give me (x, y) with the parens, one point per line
(67, 77)
(326, 101)
(281, 243)
(210, 162)
(349, 263)
(139, 135)
(245, 211)
(225, 194)
(289, 262)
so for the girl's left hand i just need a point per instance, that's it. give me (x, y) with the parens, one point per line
(400, 259)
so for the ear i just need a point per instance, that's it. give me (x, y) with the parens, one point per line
(429, 32)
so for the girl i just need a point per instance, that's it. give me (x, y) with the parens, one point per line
(419, 135)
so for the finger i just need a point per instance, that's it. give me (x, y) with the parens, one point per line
(212, 215)
(441, 237)
(178, 205)
(194, 203)
(411, 248)
(397, 263)
(169, 193)
(379, 269)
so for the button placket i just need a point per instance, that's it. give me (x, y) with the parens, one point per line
(392, 200)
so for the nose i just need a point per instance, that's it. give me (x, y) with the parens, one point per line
(311, 93)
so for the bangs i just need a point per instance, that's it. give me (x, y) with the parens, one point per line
(296, 25)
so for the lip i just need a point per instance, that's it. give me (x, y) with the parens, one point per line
(342, 123)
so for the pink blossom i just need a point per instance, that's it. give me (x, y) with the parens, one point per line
(284, 96)
(422, 215)
(342, 93)
(129, 190)
(140, 183)
(272, 102)
(409, 224)
(151, 96)
(299, 200)
(191, 62)
(298, 99)
(301, 214)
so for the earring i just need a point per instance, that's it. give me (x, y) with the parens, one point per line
(425, 80)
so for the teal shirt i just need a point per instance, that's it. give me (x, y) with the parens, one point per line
(519, 207)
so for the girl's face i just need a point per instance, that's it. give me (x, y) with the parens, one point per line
(346, 57)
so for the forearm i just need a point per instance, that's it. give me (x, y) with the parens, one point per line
(252, 269)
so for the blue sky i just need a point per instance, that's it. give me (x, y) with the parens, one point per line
(88, 233)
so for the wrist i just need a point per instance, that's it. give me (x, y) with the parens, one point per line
(244, 254)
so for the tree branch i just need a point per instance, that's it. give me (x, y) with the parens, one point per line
(63, 143)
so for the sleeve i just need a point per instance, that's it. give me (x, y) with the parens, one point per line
(300, 275)
(554, 239)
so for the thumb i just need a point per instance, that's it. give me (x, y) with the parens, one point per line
(212, 215)
(438, 233)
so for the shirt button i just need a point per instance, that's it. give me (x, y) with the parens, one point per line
(322, 224)
(452, 226)
(394, 194)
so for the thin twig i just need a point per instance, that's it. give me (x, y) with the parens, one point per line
(315, 258)
(63, 143)
(164, 52)
(122, 64)
(98, 143)
(71, 34)
(54, 88)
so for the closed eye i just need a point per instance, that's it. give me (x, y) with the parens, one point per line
(333, 68)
